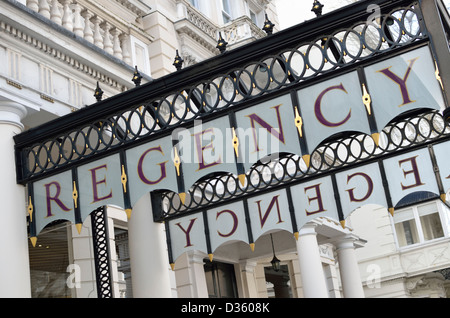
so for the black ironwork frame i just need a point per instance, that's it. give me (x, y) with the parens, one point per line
(265, 68)
(279, 63)
(415, 131)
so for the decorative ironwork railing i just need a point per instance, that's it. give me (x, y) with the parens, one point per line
(403, 135)
(284, 60)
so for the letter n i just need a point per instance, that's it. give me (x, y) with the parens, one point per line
(263, 218)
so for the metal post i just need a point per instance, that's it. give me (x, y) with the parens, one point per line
(440, 46)
(102, 257)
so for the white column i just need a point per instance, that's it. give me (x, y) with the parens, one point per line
(15, 265)
(148, 253)
(190, 275)
(197, 274)
(349, 269)
(313, 278)
(248, 288)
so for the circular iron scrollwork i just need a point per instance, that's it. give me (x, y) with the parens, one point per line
(400, 135)
(289, 67)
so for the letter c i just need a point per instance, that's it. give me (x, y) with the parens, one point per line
(318, 109)
(235, 222)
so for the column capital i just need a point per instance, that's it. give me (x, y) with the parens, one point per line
(12, 113)
(196, 257)
(248, 265)
(348, 241)
(309, 228)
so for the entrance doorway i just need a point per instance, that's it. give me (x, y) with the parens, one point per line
(220, 279)
(278, 282)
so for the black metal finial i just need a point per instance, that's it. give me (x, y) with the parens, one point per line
(98, 93)
(317, 8)
(137, 77)
(221, 44)
(178, 63)
(268, 26)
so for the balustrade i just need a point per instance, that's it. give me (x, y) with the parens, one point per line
(86, 24)
(241, 29)
(96, 27)
(234, 32)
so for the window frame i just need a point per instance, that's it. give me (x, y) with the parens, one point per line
(227, 14)
(194, 3)
(253, 8)
(146, 68)
(443, 213)
(214, 284)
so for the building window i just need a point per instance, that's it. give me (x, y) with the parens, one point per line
(420, 223)
(254, 17)
(123, 262)
(226, 11)
(140, 55)
(49, 263)
(220, 279)
(255, 12)
(194, 3)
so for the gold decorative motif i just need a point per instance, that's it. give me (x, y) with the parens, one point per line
(438, 75)
(33, 241)
(211, 257)
(124, 179)
(242, 178)
(177, 161)
(182, 197)
(235, 143)
(75, 195)
(376, 138)
(307, 159)
(79, 226)
(128, 212)
(298, 122)
(367, 100)
(30, 209)
(12, 83)
(391, 211)
(47, 98)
